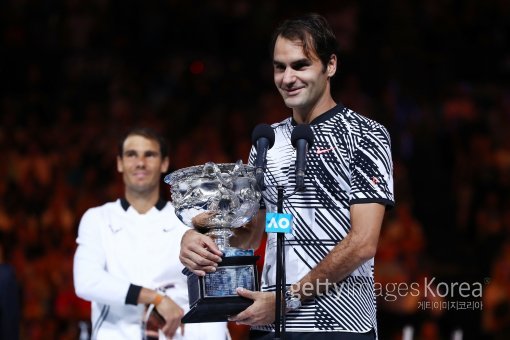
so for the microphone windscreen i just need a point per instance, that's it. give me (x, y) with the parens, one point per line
(302, 131)
(263, 131)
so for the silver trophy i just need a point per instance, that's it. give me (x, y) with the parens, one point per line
(215, 199)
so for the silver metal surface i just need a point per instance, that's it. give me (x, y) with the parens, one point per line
(228, 190)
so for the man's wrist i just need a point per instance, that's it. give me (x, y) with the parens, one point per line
(158, 298)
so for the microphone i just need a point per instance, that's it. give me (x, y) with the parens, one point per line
(302, 139)
(262, 139)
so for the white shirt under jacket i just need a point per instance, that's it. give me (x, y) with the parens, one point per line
(117, 248)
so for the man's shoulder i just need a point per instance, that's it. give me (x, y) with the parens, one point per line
(359, 123)
(282, 128)
(282, 124)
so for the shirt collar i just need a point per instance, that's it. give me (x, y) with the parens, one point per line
(160, 204)
(324, 116)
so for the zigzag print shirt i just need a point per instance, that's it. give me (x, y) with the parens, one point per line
(348, 163)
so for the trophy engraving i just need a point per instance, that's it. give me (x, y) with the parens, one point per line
(215, 199)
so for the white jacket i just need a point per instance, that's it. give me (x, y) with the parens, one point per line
(118, 247)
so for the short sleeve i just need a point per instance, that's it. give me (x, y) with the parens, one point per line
(372, 169)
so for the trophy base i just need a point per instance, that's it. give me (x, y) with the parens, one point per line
(213, 297)
(216, 309)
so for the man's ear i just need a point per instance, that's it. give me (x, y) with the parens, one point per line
(165, 164)
(120, 167)
(332, 65)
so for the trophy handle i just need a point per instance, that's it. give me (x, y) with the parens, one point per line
(213, 168)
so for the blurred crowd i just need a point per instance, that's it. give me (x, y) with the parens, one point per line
(74, 74)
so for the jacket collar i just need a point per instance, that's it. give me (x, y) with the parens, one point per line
(160, 204)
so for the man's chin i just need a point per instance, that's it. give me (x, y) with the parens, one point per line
(291, 103)
(142, 189)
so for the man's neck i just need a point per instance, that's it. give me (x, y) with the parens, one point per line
(142, 202)
(307, 115)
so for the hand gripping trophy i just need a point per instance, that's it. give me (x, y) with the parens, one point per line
(215, 199)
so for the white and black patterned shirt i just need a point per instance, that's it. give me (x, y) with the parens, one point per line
(349, 163)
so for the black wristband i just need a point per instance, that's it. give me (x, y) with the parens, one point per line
(133, 294)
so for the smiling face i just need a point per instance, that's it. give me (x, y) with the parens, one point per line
(303, 82)
(141, 165)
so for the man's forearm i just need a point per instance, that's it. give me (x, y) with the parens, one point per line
(343, 259)
(356, 248)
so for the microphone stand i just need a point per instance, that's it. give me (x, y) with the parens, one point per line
(280, 319)
(280, 273)
(301, 136)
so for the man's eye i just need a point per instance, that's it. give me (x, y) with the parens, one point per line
(299, 66)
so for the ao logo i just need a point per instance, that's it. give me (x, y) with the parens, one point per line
(278, 223)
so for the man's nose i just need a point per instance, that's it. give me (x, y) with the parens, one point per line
(140, 161)
(289, 76)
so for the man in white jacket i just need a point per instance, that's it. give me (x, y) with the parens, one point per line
(128, 250)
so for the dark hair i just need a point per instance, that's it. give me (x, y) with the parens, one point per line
(313, 31)
(147, 133)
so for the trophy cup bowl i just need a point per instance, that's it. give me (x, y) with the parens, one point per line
(223, 197)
